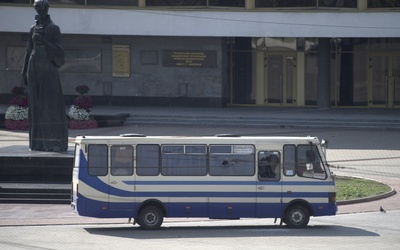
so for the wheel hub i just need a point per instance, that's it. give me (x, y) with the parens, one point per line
(151, 218)
(297, 217)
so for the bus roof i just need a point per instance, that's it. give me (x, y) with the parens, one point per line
(217, 139)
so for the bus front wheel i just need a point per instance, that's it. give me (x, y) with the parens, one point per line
(297, 216)
(150, 218)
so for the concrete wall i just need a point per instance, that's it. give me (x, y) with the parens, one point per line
(150, 81)
(9, 76)
(203, 22)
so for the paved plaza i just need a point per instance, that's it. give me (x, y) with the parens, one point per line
(361, 152)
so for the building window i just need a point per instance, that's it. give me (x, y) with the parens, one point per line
(69, 2)
(275, 43)
(305, 3)
(227, 3)
(285, 3)
(338, 3)
(176, 2)
(383, 3)
(113, 3)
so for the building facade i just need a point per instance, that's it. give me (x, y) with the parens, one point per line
(213, 53)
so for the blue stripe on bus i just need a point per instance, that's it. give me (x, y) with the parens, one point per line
(253, 183)
(94, 208)
(236, 183)
(97, 184)
(102, 187)
(233, 194)
(308, 183)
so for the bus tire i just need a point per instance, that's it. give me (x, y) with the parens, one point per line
(150, 218)
(297, 216)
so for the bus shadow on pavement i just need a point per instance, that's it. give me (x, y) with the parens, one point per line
(229, 231)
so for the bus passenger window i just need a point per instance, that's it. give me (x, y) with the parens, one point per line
(309, 162)
(121, 160)
(289, 160)
(232, 160)
(269, 165)
(184, 160)
(148, 160)
(98, 159)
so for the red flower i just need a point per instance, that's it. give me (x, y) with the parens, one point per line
(16, 125)
(21, 101)
(83, 102)
(79, 124)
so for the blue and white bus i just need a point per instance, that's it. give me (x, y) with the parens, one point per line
(149, 178)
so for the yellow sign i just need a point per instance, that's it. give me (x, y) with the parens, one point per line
(190, 58)
(121, 61)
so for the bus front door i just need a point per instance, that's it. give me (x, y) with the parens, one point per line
(121, 180)
(269, 185)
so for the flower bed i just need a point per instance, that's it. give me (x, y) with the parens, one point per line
(83, 124)
(16, 113)
(17, 125)
(83, 102)
(79, 114)
(80, 110)
(16, 117)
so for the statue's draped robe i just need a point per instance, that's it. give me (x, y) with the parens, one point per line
(48, 127)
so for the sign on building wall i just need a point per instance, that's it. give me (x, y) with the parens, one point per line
(15, 58)
(190, 58)
(87, 60)
(121, 63)
(82, 60)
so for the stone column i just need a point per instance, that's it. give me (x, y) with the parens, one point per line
(323, 98)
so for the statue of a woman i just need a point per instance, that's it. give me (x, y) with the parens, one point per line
(48, 127)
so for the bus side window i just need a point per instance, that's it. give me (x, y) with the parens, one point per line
(269, 165)
(232, 160)
(98, 159)
(121, 160)
(309, 162)
(148, 159)
(289, 160)
(183, 160)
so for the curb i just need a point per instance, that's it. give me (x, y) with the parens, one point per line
(370, 198)
(367, 199)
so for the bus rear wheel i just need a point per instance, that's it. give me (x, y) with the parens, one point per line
(297, 216)
(150, 218)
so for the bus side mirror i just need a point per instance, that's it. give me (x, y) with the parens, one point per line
(324, 146)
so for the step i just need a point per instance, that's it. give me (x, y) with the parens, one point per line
(265, 122)
(33, 201)
(35, 193)
(27, 190)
